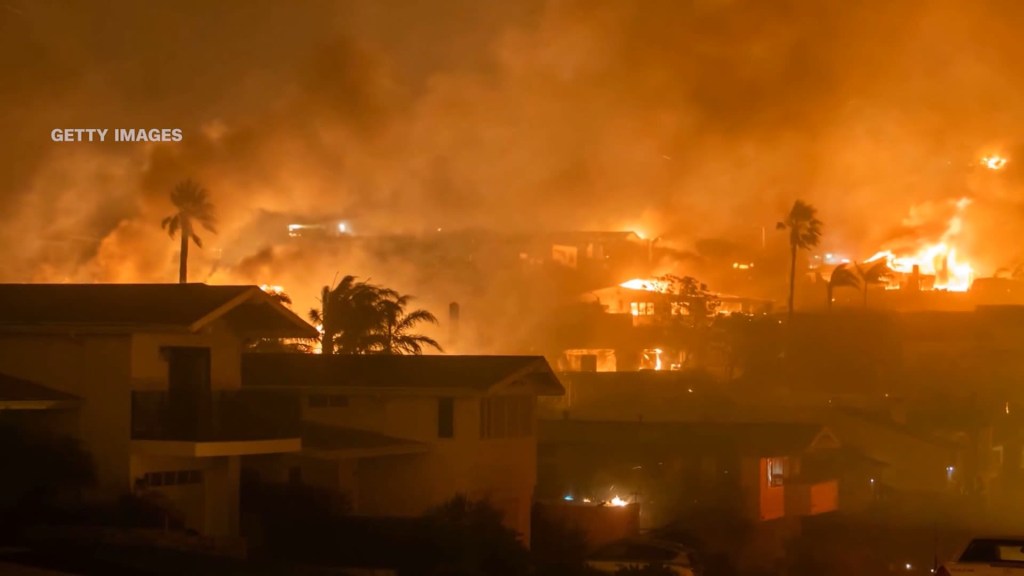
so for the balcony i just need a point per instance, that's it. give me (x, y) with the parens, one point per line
(811, 498)
(222, 423)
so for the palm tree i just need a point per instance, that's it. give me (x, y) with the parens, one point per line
(350, 314)
(804, 233)
(357, 317)
(872, 273)
(394, 336)
(193, 205)
(842, 276)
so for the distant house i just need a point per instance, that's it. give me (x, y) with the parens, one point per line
(149, 377)
(399, 435)
(760, 472)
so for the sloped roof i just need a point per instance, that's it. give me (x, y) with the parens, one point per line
(16, 393)
(428, 374)
(760, 438)
(141, 307)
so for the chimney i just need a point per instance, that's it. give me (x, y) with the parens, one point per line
(453, 319)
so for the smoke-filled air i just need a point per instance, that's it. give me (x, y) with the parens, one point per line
(683, 120)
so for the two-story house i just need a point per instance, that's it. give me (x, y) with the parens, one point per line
(153, 373)
(399, 435)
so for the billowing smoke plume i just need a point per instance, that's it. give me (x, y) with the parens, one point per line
(689, 118)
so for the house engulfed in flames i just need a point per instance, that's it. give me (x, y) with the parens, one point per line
(935, 266)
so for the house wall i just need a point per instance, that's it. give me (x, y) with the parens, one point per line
(209, 507)
(95, 368)
(104, 370)
(503, 470)
(149, 368)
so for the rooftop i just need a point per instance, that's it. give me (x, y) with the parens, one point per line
(119, 308)
(759, 438)
(424, 374)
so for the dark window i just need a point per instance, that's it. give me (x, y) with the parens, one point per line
(338, 401)
(317, 401)
(195, 476)
(156, 479)
(183, 477)
(189, 394)
(169, 478)
(446, 418)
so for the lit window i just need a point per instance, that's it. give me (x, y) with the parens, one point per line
(641, 308)
(776, 471)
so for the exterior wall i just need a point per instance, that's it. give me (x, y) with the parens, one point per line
(149, 369)
(95, 368)
(103, 371)
(503, 470)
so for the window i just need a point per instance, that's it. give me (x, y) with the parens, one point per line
(641, 308)
(327, 401)
(446, 418)
(507, 416)
(776, 471)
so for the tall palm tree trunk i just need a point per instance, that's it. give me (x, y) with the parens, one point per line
(183, 260)
(792, 277)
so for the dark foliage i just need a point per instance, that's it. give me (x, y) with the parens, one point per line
(45, 473)
(558, 549)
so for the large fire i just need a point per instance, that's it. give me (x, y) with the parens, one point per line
(939, 260)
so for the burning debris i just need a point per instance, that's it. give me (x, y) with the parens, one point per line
(937, 265)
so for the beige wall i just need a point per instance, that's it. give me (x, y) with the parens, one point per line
(103, 371)
(502, 470)
(149, 369)
(95, 368)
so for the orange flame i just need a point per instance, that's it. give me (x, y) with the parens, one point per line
(939, 259)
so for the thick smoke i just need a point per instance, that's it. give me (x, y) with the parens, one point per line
(690, 119)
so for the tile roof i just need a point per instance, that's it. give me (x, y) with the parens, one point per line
(135, 307)
(479, 374)
(760, 438)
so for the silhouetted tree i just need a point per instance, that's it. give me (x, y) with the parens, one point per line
(193, 207)
(43, 470)
(357, 317)
(872, 273)
(394, 335)
(804, 233)
(348, 314)
(842, 276)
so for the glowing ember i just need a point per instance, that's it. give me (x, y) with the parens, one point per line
(616, 501)
(648, 285)
(742, 265)
(939, 259)
(993, 162)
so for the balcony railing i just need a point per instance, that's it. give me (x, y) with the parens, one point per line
(221, 416)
